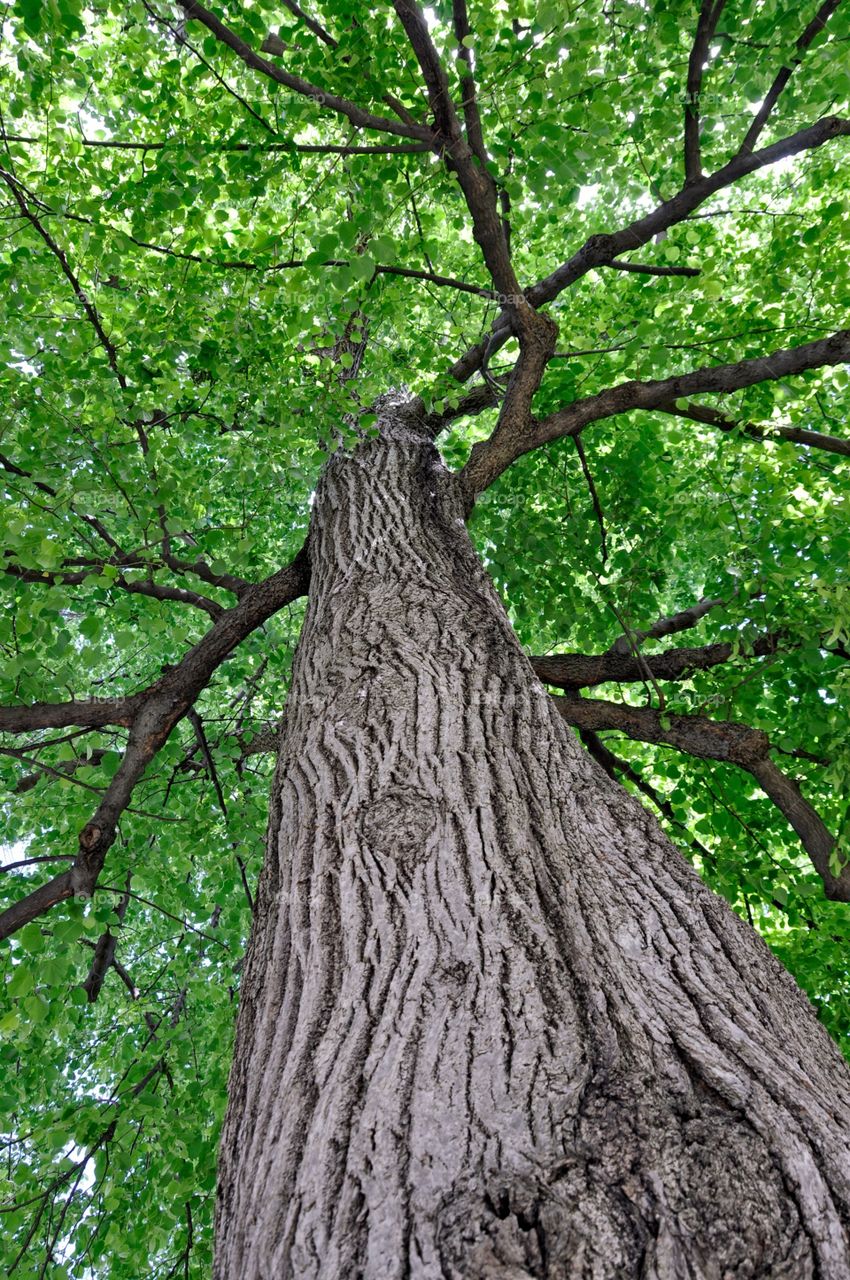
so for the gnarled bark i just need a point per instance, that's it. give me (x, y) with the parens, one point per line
(492, 1024)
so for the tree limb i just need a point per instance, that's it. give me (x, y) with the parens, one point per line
(584, 670)
(724, 740)
(340, 106)
(134, 586)
(469, 102)
(104, 953)
(710, 12)
(797, 435)
(816, 25)
(475, 182)
(95, 713)
(304, 148)
(669, 625)
(599, 250)
(85, 302)
(647, 269)
(155, 713)
(489, 458)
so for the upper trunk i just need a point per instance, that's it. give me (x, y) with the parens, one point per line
(492, 1024)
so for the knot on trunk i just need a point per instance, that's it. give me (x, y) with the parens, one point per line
(401, 823)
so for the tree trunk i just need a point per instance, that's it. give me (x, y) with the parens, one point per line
(492, 1024)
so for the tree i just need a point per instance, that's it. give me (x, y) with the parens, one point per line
(494, 336)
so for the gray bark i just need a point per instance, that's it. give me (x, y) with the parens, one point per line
(492, 1024)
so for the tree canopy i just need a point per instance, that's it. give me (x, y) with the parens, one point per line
(224, 235)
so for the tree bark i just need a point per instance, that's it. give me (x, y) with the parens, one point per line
(492, 1024)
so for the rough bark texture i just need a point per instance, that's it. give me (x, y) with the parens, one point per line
(492, 1025)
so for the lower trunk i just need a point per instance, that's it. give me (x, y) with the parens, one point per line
(491, 1024)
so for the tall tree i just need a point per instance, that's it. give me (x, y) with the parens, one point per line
(511, 339)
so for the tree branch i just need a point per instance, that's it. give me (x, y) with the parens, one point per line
(156, 712)
(719, 740)
(816, 25)
(489, 458)
(583, 670)
(797, 435)
(303, 148)
(29, 780)
(708, 18)
(87, 305)
(600, 250)
(140, 587)
(96, 713)
(647, 269)
(104, 953)
(475, 182)
(340, 106)
(670, 625)
(469, 102)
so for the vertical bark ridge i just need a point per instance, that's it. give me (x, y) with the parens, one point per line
(492, 1024)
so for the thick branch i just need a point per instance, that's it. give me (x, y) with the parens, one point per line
(583, 670)
(96, 713)
(814, 836)
(709, 14)
(158, 711)
(600, 250)
(719, 740)
(471, 115)
(489, 458)
(478, 187)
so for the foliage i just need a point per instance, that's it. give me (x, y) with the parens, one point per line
(205, 428)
